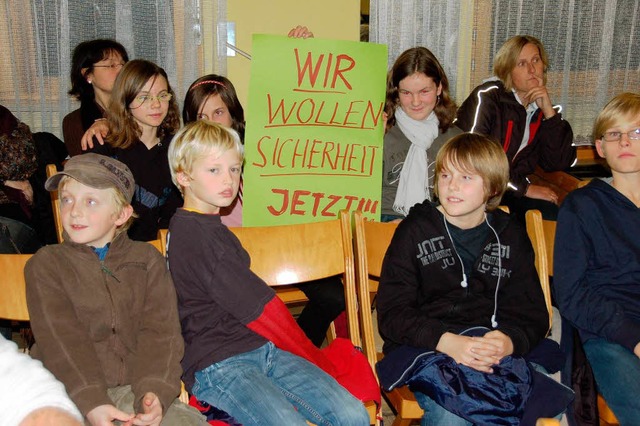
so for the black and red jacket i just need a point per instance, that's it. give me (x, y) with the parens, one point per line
(492, 110)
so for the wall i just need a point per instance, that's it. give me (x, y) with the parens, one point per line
(333, 19)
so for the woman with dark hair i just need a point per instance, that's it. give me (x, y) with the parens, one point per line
(420, 115)
(516, 110)
(94, 67)
(213, 97)
(142, 117)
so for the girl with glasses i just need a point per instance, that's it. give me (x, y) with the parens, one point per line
(142, 118)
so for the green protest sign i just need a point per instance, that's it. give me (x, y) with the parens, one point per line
(314, 132)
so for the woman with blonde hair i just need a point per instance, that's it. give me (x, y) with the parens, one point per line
(516, 109)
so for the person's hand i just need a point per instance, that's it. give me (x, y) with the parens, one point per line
(541, 97)
(475, 352)
(23, 186)
(104, 415)
(501, 341)
(540, 192)
(99, 129)
(300, 32)
(151, 411)
(636, 350)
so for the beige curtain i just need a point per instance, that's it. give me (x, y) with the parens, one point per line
(592, 45)
(37, 38)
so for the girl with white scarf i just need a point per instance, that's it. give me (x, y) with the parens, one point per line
(420, 120)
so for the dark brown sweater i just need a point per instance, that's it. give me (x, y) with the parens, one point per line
(104, 324)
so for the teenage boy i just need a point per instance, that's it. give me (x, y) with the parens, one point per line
(227, 312)
(456, 267)
(103, 308)
(597, 260)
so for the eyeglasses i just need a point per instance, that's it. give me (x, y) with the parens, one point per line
(112, 66)
(141, 99)
(634, 135)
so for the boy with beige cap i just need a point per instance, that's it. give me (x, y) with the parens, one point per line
(103, 307)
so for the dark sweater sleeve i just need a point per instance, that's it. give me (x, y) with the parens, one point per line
(578, 301)
(17, 149)
(399, 318)
(479, 113)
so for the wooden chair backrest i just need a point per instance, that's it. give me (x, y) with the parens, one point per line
(162, 236)
(542, 235)
(13, 302)
(583, 182)
(291, 254)
(55, 203)
(158, 245)
(371, 241)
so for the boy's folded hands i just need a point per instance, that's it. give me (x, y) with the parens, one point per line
(479, 353)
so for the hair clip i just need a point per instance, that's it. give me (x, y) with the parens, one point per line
(207, 82)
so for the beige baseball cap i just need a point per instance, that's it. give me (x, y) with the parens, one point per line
(97, 171)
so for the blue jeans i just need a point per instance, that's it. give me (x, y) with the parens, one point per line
(617, 373)
(435, 415)
(269, 386)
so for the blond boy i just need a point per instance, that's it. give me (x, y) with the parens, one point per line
(103, 308)
(597, 260)
(227, 312)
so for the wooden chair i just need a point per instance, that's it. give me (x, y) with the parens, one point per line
(13, 303)
(291, 254)
(542, 235)
(55, 203)
(371, 242)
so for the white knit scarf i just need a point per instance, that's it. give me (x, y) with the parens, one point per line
(413, 186)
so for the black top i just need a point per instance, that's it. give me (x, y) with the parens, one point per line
(492, 110)
(218, 295)
(421, 296)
